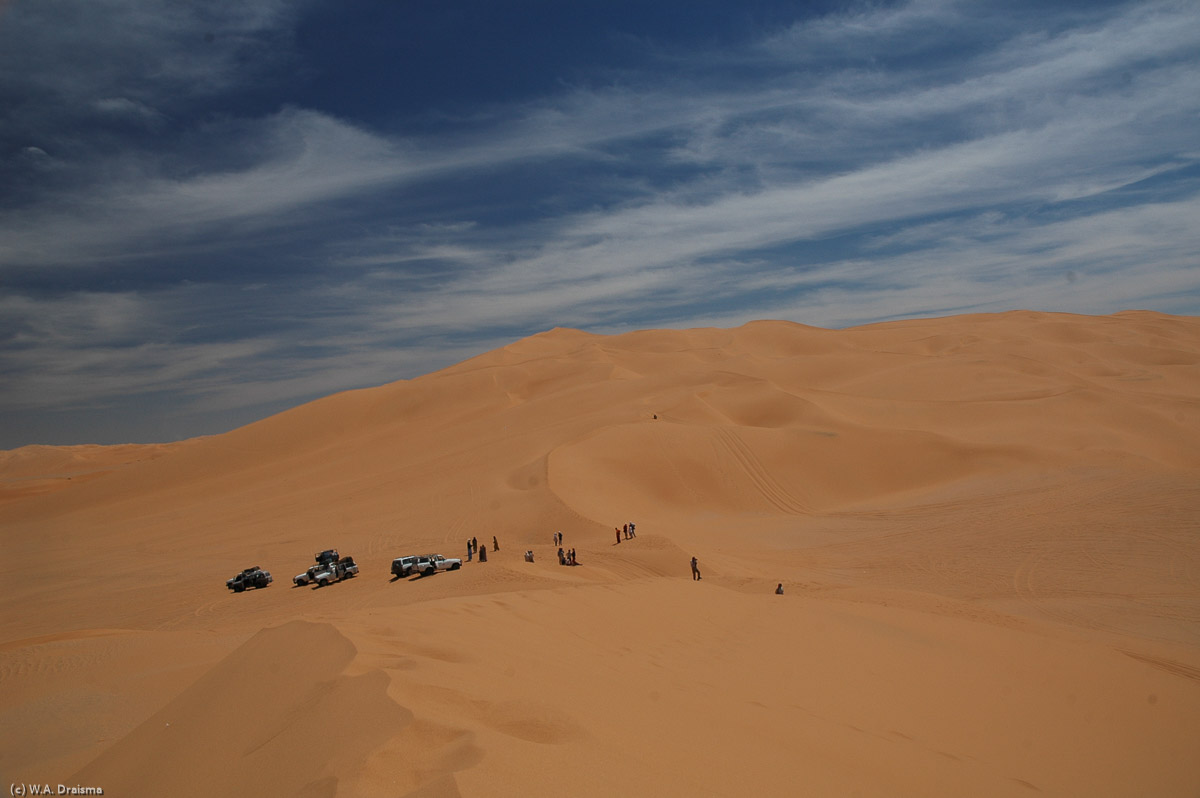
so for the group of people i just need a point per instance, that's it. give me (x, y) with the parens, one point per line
(567, 556)
(473, 548)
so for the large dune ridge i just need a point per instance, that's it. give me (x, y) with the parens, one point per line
(987, 528)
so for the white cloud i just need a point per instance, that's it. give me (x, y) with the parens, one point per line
(308, 158)
(973, 180)
(80, 49)
(123, 107)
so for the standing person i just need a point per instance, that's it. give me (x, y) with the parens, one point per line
(475, 544)
(561, 559)
(627, 531)
(470, 551)
(573, 557)
(495, 545)
(632, 533)
(483, 554)
(695, 569)
(618, 534)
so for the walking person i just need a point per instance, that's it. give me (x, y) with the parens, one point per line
(695, 569)
(495, 545)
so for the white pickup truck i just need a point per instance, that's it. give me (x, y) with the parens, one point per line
(432, 563)
(329, 569)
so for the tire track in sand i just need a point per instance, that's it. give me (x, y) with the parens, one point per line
(764, 483)
(1168, 665)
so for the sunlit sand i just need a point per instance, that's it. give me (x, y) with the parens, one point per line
(987, 529)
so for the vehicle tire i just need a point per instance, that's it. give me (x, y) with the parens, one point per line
(430, 572)
(238, 588)
(456, 566)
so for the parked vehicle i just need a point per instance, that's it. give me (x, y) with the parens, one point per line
(251, 577)
(345, 568)
(430, 564)
(328, 569)
(404, 566)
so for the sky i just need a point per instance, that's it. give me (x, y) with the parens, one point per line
(215, 210)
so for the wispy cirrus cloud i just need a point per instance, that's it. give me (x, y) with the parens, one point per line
(193, 231)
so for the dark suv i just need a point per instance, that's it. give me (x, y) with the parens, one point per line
(251, 577)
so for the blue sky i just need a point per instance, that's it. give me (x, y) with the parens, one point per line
(212, 211)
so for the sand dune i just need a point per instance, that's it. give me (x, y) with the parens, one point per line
(277, 712)
(985, 527)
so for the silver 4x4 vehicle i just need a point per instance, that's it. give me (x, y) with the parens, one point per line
(329, 569)
(251, 577)
(432, 563)
(404, 566)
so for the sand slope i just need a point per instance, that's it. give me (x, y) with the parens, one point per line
(278, 712)
(985, 525)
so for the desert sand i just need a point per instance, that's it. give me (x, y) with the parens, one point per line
(987, 529)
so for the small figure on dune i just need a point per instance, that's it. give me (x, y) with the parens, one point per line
(562, 560)
(470, 551)
(528, 555)
(779, 590)
(571, 557)
(483, 554)
(475, 544)
(618, 534)
(632, 533)
(495, 545)
(626, 530)
(695, 569)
